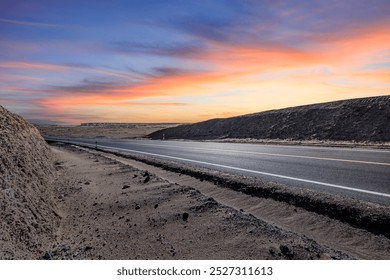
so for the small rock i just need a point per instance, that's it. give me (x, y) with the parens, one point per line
(185, 216)
(48, 256)
(286, 251)
(87, 248)
(147, 179)
(125, 187)
(137, 207)
(272, 251)
(155, 206)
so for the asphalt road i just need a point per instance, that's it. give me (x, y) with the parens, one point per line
(360, 173)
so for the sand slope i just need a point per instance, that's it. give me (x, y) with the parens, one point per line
(27, 217)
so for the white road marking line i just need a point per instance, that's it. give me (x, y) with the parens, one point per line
(271, 154)
(254, 171)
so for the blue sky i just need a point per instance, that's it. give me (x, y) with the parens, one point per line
(186, 61)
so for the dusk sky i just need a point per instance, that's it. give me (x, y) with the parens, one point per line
(184, 61)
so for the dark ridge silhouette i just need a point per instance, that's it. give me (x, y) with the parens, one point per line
(361, 119)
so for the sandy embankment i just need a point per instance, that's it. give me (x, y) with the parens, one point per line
(27, 209)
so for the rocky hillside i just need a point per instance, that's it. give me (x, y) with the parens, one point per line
(362, 119)
(27, 216)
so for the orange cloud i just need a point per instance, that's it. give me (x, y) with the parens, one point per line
(117, 95)
(347, 48)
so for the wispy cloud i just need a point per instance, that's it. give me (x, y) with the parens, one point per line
(81, 67)
(157, 103)
(172, 49)
(32, 23)
(31, 65)
(86, 87)
(13, 78)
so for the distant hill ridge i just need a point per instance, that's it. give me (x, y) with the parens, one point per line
(361, 119)
(126, 125)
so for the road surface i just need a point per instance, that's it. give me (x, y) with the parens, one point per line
(359, 173)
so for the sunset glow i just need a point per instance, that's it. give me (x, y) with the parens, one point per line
(187, 61)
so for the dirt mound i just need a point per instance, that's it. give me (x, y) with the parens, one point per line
(27, 218)
(362, 119)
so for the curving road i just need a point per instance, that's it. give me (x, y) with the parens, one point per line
(360, 173)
